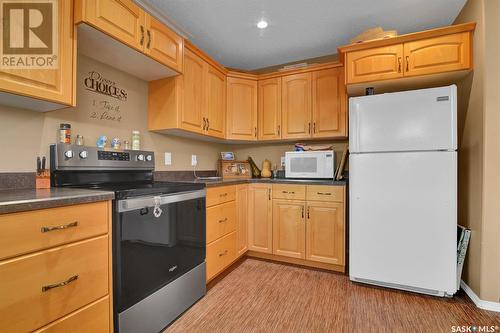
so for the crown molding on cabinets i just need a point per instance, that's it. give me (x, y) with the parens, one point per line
(153, 11)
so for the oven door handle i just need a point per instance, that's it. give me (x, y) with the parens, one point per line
(127, 205)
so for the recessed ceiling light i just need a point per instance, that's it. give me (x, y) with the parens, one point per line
(262, 24)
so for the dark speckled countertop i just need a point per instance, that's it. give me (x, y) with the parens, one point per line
(14, 200)
(220, 182)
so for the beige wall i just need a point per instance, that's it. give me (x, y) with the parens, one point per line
(25, 134)
(479, 147)
(274, 151)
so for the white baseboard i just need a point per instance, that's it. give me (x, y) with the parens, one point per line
(485, 305)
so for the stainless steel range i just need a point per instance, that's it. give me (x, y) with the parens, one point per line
(158, 233)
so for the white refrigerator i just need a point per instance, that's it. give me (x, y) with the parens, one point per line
(403, 190)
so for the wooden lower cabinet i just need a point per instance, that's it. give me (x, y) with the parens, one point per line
(325, 232)
(289, 228)
(260, 218)
(241, 219)
(220, 254)
(60, 277)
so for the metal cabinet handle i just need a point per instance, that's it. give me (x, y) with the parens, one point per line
(142, 36)
(324, 193)
(308, 215)
(407, 63)
(279, 129)
(314, 127)
(208, 124)
(149, 39)
(60, 284)
(302, 211)
(223, 253)
(223, 195)
(288, 192)
(269, 194)
(60, 227)
(399, 64)
(204, 123)
(309, 126)
(255, 131)
(223, 220)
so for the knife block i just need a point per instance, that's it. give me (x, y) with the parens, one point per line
(43, 179)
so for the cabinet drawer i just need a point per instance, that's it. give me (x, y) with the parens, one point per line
(26, 305)
(31, 231)
(291, 192)
(221, 220)
(91, 318)
(325, 193)
(218, 195)
(220, 254)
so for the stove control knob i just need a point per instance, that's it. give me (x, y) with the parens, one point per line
(68, 154)
(84, 154)
(140, 157)
(149, 158)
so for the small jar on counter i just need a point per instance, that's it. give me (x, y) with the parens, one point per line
(65, 133)
(136, 140)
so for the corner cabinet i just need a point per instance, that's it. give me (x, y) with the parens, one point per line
(296, 103)
(260, 218)
(45, 89)
(269, 110)
(241, 109)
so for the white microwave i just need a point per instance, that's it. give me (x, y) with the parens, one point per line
(310, 164)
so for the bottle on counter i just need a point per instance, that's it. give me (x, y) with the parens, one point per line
(65, 133)
(126, 145)
(136, 140)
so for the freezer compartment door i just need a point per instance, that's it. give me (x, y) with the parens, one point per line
(403, 219)
(418, 120)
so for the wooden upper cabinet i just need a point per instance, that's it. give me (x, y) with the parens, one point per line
(375, 64)
(296, 106)
(54, 85)
(162, 44)
(329, 103)
(289, 228)
(215, 102)
(269, 111)
(241, 109)
(260, 218)
(193, 102)
(121, 19)
(436, 55)
(325, 232)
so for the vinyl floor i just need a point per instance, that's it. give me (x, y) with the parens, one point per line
(263, 296)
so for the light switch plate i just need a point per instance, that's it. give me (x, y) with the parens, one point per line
(168, 158)
(194, 160)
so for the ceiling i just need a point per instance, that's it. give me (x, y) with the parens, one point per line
(298, 29)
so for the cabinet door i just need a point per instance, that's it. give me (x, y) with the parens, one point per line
(260, 218)
(329, 103)
(121, 19)
(269, 117)
(162, 44)
(375, 64)
(242, 219)
(436, 55)
(289, 229)
(215, 102)
(296, 106)
(55, 85)
(325, 232)
(192, 109)
(241, 109)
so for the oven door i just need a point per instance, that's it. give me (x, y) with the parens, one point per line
(156, 240)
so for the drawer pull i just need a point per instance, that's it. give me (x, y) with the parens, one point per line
(223, 195)
(60, 227)
(60, 284)
(223, 253)
(223, 220)
(324, 193)
(288, 192)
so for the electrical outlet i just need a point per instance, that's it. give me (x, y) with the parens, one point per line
(194, 160)
(283, 161)
(168, 158)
